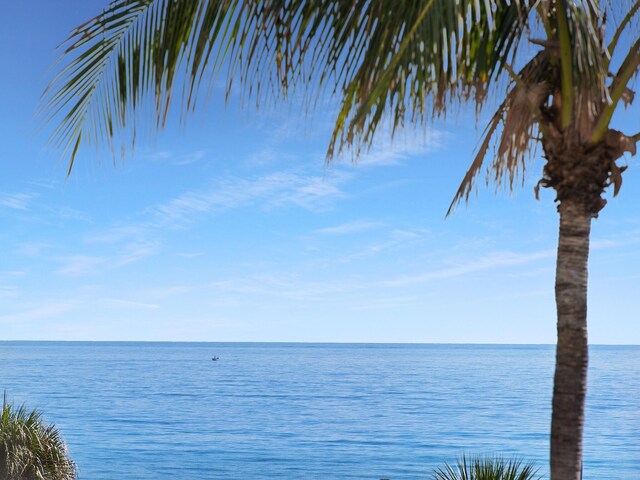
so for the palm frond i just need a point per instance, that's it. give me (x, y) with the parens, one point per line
(31, 449)
(110, 63)
(405, 58)
(513, 127)
(625, 23)
(618, 88)
(486, 468)
(427, 56)
(575, 30)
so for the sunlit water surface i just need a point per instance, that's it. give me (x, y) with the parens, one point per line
(144, 411)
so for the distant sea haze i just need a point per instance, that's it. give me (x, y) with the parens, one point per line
(144, 411)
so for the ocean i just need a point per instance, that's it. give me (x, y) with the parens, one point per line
(143, 411)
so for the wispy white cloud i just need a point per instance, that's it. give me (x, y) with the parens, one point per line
(7, 292)
(131, 303)
(511, 296)
(80, 264)
(313, 193)
(303, 290)
(177, 159)
(236, 290)
(13, 274)
(42, 211)
(495, 260)
(76, 265)
(161, 293)
(629, 238)
(293, 287)
(134, 252)
(66, 213)
(389, 300)
(160, 155)
(189, 254)
(16, 201)
(283, 285)
(116, 234)
(348, 228)
(189, 158)
(405, 144)
(395, 239)
(265, 156)
(270, 191)
(38, 312)
(46, 183)
(32, 249)
(273, 190)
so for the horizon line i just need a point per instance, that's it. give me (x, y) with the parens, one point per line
(281, 342)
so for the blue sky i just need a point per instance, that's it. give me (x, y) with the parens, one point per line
(232, 228)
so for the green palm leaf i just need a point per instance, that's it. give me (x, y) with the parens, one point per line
(406, 60)
(486, 468)
(409, 58)
(31, 450)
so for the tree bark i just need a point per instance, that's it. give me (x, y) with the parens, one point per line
(570, 381)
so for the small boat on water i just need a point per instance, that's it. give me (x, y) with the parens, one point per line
(215, 358)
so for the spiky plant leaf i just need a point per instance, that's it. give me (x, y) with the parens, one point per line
(486, 468)
(30, 449)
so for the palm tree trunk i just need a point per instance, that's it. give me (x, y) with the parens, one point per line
(570, 381)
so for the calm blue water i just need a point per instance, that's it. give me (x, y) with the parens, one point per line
(145, 411)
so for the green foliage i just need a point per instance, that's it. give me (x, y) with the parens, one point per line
(31, 450)
(411, 61)
(486, 468)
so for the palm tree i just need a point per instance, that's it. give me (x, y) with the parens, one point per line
(565, 65)
(31, 450)
(478, 468)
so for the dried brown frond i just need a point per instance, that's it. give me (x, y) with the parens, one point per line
(520, 116)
